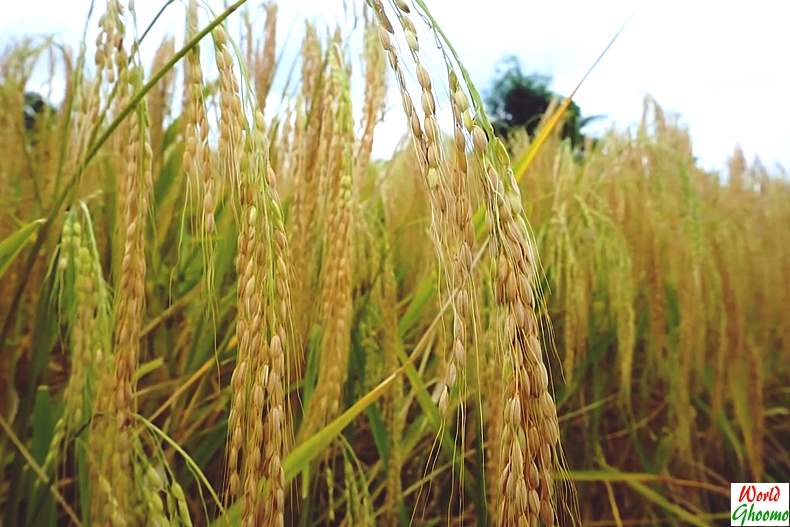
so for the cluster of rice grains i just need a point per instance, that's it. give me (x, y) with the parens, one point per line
(528, 443)
(84, 300)
(196, 161)
(258, 422)
(116, 499)
(323, 226)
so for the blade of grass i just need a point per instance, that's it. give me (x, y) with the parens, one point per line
(194, 467)
(529, 156)
(14, 243)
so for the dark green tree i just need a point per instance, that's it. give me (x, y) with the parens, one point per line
(519, 100)
(35, 107)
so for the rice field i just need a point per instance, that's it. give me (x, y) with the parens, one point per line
(216, 310)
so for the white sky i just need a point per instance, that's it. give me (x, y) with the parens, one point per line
(722, 66)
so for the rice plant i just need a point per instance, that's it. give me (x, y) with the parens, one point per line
(217, 307)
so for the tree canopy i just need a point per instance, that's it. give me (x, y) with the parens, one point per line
(518, 100)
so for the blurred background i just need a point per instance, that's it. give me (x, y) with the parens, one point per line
(719, 66)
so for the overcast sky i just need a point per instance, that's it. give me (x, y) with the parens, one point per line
(722, 66)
